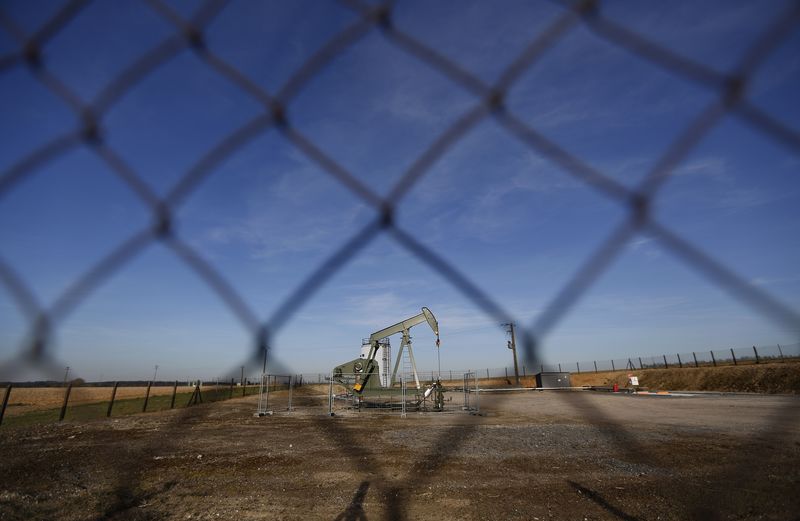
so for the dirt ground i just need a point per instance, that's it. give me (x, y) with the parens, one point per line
(531, 455)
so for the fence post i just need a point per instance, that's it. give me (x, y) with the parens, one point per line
(695, 359)
(174, 392)
(666, 365)
(640, 363)
(146, 396)
(612, 365)
(541, 367)
(111, 403)
(5, 403)
(506, 368)
(578, 365)
(734, 357)
(713, 360)
(756, 352)
(559, 368)
(477, 394)
(487, 374)
(230, 393)
(330, 393)
(523, 370)
(197, 395)
(289, 407)
(680, 363)
(781, 353)
(64, 405)
(595, 366)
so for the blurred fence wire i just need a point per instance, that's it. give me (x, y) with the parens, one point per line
(730, 98)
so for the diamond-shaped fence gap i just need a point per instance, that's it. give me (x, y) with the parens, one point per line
(197, 110)
(479, 38)
(153, 310)
(735, 194)
(376, 110)
(288, 217)
(32, 117)
(248, 35)
(381, 286)
(491, 201)
(100, 42)
(56, 225)
(734, 28)
(599, 103)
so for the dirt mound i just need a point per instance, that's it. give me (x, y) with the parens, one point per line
(761, 378)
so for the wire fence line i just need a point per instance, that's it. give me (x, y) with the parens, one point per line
(712, 357)
(729, 88)
(48, 402)
(777, 353)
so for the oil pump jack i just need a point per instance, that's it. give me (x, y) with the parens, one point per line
(363, 368)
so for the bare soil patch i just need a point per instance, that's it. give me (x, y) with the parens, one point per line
(531, 456)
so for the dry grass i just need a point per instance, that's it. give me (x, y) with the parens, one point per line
(28, 399)
(761, 378)
(770, 378)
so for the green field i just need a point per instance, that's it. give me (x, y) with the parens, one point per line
(122, 407)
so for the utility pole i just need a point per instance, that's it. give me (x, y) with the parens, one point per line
(155, 373)
(512, 344)
(66, 375)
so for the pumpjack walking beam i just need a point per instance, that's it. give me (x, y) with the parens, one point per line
(401, 327)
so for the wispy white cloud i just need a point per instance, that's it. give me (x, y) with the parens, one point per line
(289, 212)
(719, 184)
(742, 198)
(712, 166)
(772, 281)
(647, 247)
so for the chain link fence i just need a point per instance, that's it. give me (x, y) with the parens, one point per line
(729, 98)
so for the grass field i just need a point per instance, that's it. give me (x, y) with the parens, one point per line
(27, 399)
(32, 405)
(42, 405)
(770, 378)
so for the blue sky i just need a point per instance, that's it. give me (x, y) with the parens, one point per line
(507, 217)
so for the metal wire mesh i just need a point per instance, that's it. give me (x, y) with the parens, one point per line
(730, 98)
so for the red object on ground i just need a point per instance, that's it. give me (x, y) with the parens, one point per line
(616, 388)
